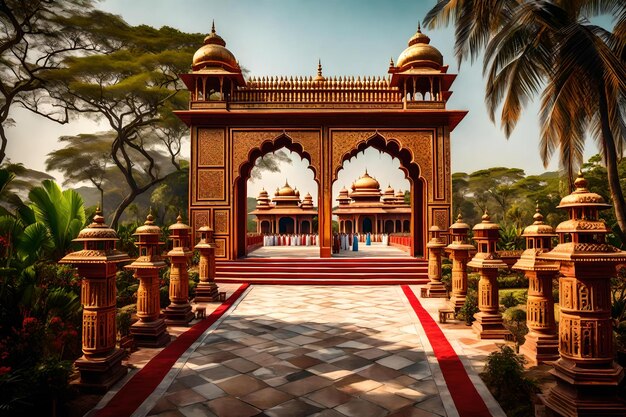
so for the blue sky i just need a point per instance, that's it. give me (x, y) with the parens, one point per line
(351, 37)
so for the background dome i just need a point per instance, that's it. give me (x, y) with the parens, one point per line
(420, 53)
(285, 191)
(366, 182)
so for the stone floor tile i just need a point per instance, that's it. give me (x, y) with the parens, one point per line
(266, 398)
(352, 363)
(209, 391)
(372, 353)
(184, 397)
(191, 381)
(170, 413)
(413, 412)
(241, 385)
(330, 371)
(263, 359)
(305, 385)
(356, 384)
(395, 362)
(432, 405)
(419, 370)
(218, 373)
(386, 399)
(232, 407)
(196, 410)
(326, 354)
(329, 397)
(328, 413)
(298, 375)
(379, 373)
(241, 365)
(361, 408)
(293, 408)
(304, 361)
(354, 345)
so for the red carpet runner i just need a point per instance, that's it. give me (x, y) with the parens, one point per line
(466, 399)
(144, 382)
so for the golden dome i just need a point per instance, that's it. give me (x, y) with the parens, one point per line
(390, 191)
(214, 54)
(286, 191)
(581, 196)
(420, 53)
(366, 182)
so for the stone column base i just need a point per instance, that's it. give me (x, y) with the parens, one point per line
(489, 326)
(436, 290)
(457, 301)
(98, 375)
(206, 291)
(584, 392)
(178, 314)
(152, 334)
(540, 348)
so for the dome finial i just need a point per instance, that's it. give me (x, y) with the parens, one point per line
(213, 26)
(319, 67)
(419, 27)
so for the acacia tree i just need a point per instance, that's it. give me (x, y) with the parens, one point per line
(134, 89)
(35, 37)
(549, 48)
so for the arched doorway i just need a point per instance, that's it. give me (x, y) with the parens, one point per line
(265, 227)
(286, 225)
(411, 171)
(348, 226)
(366, 226)
(305, 227)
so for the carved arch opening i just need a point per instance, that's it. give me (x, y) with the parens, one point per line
(243, 175)
(412, 173)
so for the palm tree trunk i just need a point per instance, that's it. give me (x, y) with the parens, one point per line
(610, 154)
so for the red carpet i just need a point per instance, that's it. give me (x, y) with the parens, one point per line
(144, 382)
(466, 399)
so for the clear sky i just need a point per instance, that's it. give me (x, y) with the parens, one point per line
(286, 37)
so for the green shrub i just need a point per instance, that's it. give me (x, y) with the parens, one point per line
(513, 280)
(164, 296)
(472, 281)
(515, 322)
(504, 376)
(509, 300)
(469, 308)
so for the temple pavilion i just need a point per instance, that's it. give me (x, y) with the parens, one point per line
(365, 209)
(286, 213)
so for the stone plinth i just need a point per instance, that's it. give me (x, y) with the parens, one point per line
(459, 253)
(207, 289)
(435, 288)
(179, 312)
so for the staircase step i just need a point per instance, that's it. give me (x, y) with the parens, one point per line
(324, 271)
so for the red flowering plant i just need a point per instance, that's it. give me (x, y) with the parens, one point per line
(61, 338)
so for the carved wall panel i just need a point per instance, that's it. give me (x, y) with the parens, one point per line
(199, 218)
(220, 221)
(220, 250)
(211, 147)
(211, 184)
(440, 217)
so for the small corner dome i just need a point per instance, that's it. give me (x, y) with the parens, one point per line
(420, 53)
(213, 54)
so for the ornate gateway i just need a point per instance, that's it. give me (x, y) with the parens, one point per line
(326, 120)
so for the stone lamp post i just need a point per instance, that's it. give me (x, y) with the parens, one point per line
(586, 375)
(207, 288)
(150, 330)
(488, 324)
(179, 311)
(542, 344)
(100, 366)
(435, 288)
(459, 252)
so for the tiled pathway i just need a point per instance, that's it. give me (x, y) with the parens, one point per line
(310, 351)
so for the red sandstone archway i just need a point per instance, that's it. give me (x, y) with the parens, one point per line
(240, 184)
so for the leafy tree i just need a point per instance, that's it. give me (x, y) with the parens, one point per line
(134, 89)
(270, 162)
(37, 36)
(550, 48)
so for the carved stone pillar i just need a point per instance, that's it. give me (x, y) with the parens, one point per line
(436, 288)
(586, 375)
(459, 253)
(206, 289)
(179, 313)
(541, 341)
(100, 366)
(488, 324)
(150, 330)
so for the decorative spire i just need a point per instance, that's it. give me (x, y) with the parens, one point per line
(419, 27)
(98, 217)
(486, 218)
(213, 26)
(319, 76)
(179, 218)
(149, 217)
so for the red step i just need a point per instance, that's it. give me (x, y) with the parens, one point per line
(324, 271)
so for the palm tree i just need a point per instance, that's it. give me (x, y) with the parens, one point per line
(550, 47)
